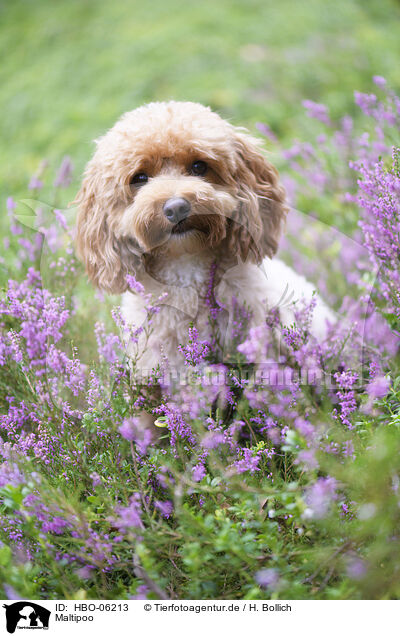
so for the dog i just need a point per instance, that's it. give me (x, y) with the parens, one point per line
(174, 192)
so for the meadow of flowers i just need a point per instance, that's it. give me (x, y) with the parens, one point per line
(273, 482)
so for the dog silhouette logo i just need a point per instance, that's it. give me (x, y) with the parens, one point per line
(26, 615)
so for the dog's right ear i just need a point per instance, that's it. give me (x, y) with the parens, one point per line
(107, 259)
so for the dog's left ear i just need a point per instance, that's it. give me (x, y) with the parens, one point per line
(260, 219)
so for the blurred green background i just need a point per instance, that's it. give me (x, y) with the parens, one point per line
(70, 68)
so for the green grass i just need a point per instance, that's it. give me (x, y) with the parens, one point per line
(69, 69)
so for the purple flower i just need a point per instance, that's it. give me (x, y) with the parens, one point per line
(317, 111)
(128, 518)
(269, 577)
(128, 429)
(11, 594)
(307, 457)
(134, 285)
(213, 440)
(256, 343)
(35, 184)
(61, 219)
(64, 174)
(365, 102)
(266, 130)
(10, 474)
(96, 479)
(305, 428)
(356, 568)
(11, 205)
(179, 428)
(249, 460)
(320, 496)
(198, 472)
(379, 81)
(194, 351)
(108, 344)
(86, 572)
(165, 507)
(132, 429)
(55, 525)
(346, 396)
(141, 593)
(378, 388)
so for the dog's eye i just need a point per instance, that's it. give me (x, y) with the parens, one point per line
(198, 168)
(139, 179)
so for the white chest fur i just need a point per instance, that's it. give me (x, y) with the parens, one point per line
(185, 282)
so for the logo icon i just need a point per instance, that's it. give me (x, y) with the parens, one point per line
(26, 615)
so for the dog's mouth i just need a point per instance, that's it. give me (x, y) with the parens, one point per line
(194, 233)
(183, 227)
(194, 223)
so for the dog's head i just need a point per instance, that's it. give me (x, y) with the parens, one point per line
(173, 177)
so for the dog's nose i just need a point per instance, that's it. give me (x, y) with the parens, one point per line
(176, 209)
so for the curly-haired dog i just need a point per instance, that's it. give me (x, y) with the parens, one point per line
(171, 189)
